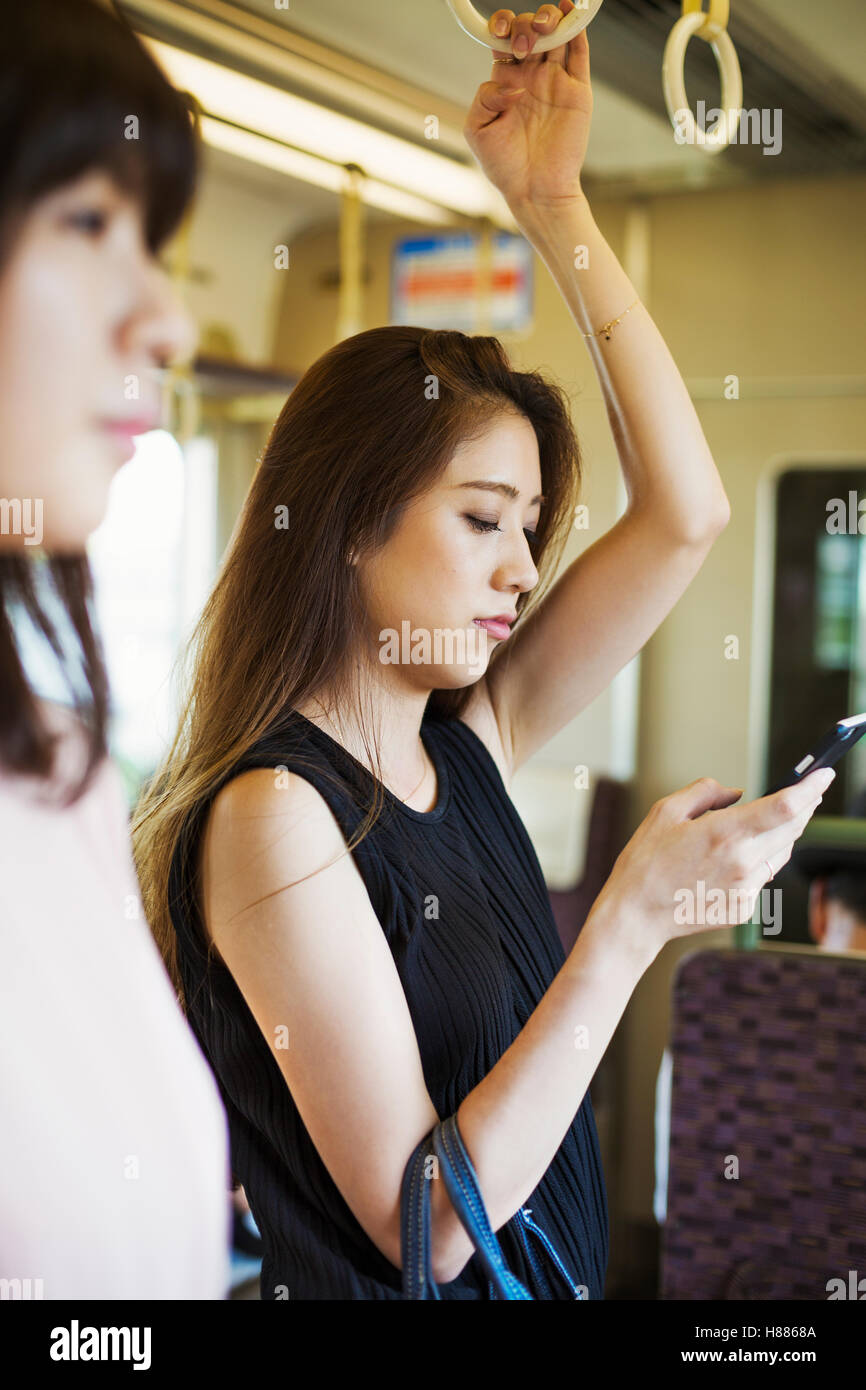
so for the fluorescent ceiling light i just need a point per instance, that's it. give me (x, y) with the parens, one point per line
(280, 116)
(320, 172)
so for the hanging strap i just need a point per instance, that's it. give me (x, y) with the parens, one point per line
(445, 1144)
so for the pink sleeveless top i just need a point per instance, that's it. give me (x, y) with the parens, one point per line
(114, 1174)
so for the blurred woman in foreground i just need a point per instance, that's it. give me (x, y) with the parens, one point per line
(115, 1168)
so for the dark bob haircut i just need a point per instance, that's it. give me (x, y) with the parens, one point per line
(72, 73)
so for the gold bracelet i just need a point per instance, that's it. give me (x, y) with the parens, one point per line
(606, 327)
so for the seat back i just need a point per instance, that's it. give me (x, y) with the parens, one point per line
(769, 1081)
(605, 839)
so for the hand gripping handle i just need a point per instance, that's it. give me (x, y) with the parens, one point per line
(473, 24)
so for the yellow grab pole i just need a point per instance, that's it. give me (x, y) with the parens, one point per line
(350, 311)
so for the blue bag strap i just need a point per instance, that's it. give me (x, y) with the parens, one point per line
(444, 1142)
(415, 1240)
(462, 1183)
(524, 1225)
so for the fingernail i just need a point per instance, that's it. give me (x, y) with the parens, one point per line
(501, 27)
(521, 44)
(825, 777)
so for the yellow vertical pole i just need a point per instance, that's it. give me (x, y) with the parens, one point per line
(181, 398)
(484, 277)
(350, 309)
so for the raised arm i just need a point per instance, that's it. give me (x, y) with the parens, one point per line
(529, 128)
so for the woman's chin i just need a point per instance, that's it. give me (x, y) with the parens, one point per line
(68, 528)
(458, 677)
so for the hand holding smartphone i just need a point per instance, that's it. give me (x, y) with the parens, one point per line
(826, 752)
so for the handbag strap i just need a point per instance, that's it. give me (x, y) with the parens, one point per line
(462, 1183)
(418, 1282)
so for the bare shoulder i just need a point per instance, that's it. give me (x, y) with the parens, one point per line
(263, 825)
(258, 808)
(257, 796)
(481, 718)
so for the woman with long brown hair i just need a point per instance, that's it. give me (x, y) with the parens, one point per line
(114, 1172)
(366, 676)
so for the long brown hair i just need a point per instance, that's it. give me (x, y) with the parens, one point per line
(70, 73)
(370, 426)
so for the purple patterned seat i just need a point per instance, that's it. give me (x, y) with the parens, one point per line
(769, 1068)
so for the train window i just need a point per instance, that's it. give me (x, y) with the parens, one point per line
(818, 645)
(154, 560)
(811, 660)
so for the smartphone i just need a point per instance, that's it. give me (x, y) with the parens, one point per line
(827, 751)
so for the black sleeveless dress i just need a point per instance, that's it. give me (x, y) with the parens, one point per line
(463, 903)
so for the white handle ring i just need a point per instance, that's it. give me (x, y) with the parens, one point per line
(717, 17)
(674, 82)
(473, 24)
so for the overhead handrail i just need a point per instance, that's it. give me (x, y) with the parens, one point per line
(476, 26)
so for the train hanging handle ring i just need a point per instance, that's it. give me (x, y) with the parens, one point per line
(474, 24)
(712, 27)
(715, 19)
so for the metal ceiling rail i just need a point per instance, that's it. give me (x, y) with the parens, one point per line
(225, 33)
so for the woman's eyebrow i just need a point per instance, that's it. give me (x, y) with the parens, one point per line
(505, 488)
